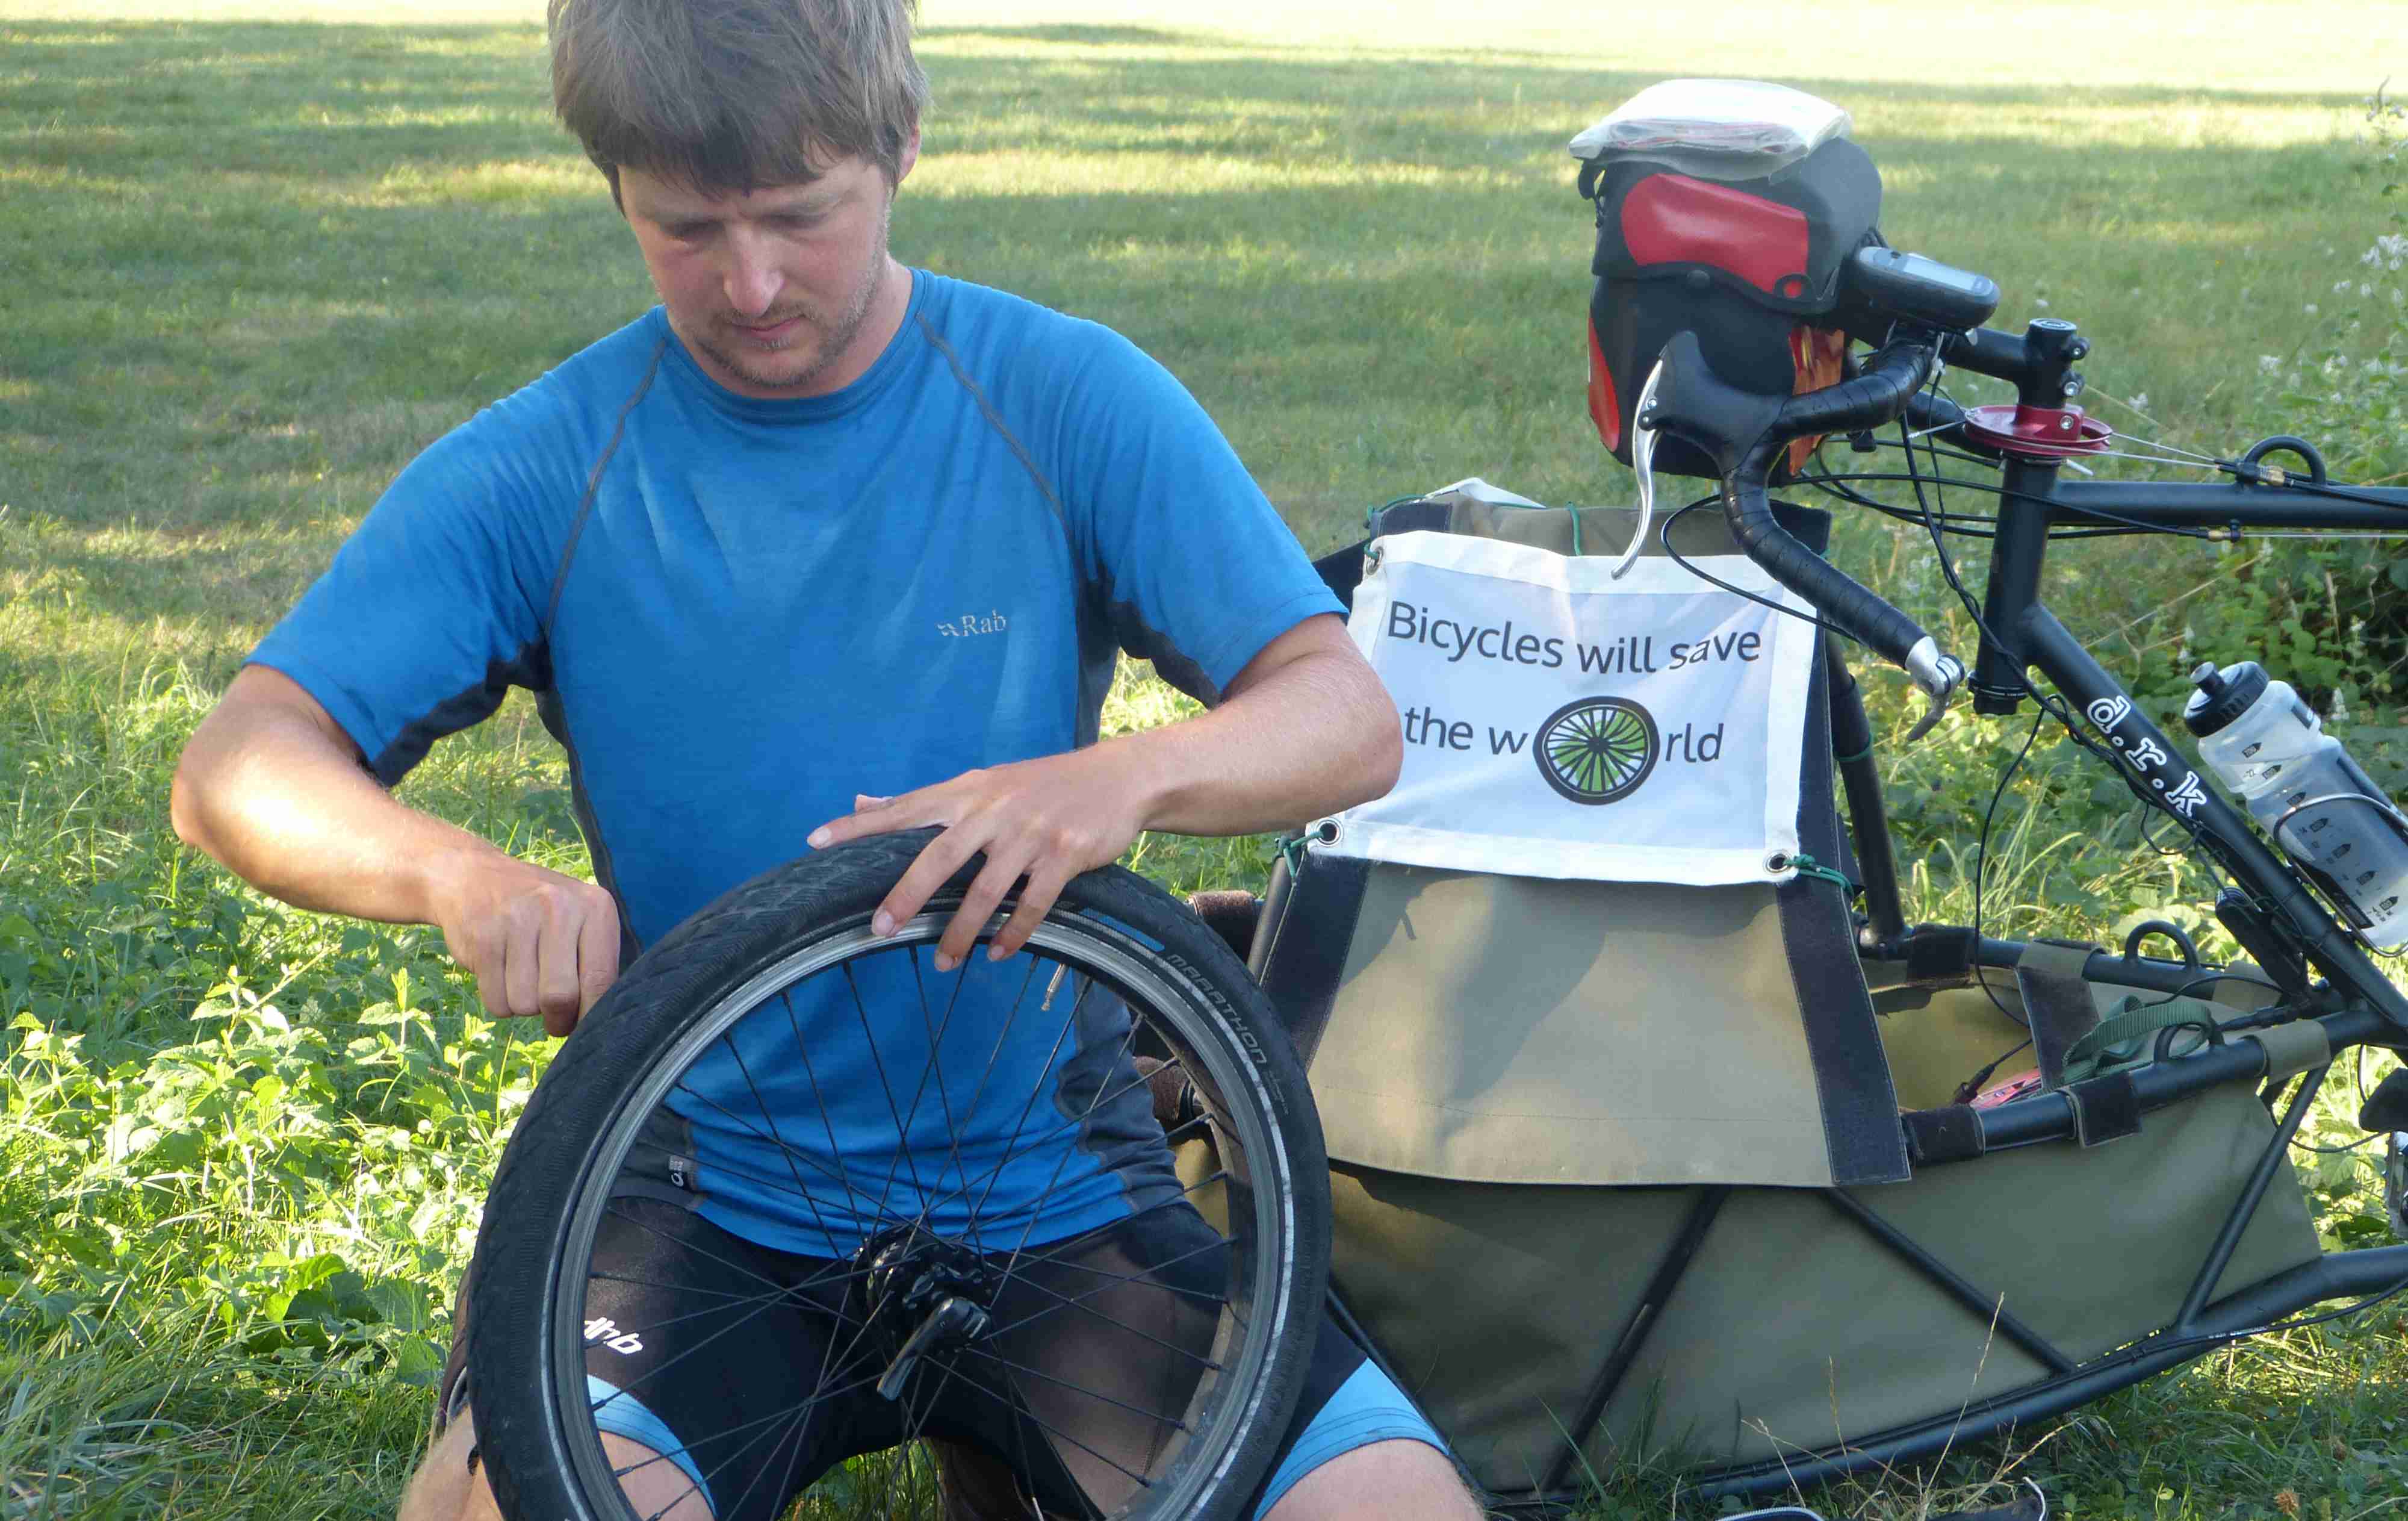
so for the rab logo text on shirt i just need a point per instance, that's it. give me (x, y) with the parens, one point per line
(969, 624)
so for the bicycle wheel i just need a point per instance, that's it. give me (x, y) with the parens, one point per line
(778, 1070)
(1596, 750)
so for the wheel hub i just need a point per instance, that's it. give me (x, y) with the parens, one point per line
(919, 1296)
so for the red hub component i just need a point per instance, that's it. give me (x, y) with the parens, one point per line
(2041, 432)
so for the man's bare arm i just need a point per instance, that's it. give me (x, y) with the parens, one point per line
(272, 787)
(1306, 729)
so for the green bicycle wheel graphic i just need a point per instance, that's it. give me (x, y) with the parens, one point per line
(1596, 750)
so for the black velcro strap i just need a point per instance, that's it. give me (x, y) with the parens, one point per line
(1939, 956)
(2057, 1001)
(1310, 935)
(1933, 1136)
(2105, 1109)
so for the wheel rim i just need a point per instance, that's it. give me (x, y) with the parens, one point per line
(1596, 750)
(1254, 1305)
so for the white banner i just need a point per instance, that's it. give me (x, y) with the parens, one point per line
(1562, 724)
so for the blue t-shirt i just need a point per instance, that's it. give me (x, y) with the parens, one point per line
(735, 614)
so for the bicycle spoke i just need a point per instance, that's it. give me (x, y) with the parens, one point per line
(755, 1301)
(1069, 1301)
(819, 1099)
(1053, 1054)
(936, 1029)
(595, 1277)
(789, 1153)
(792, 1420)
(686, 1246)
(1023, 1144)
(902, 1123)
(1021, 1409)
(1162, 1417)
(1127, 1052)
(954, 1142)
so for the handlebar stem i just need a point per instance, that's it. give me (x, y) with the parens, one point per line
(2039, 365)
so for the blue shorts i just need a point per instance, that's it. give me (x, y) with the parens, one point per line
(725, 1377)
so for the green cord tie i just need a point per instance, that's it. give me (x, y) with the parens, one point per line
(1851, 760)
(1573, 512)
(1293, 849)
(1809, 866)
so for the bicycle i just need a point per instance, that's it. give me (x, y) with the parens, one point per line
(2305, 936)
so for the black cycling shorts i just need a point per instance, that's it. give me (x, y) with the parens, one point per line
(1089, 1339)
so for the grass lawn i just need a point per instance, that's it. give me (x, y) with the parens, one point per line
(251, 261)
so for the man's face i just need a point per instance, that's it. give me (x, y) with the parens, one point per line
(777, 293)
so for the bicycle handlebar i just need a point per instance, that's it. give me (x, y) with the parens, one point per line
(1743, 432)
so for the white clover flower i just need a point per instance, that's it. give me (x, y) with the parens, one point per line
(2141, 402)
(2365, 288)
(2269, 363)
(2312, 308)
(2340, 288)
(2041, 303)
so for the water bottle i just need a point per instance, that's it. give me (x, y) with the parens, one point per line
(2270, 750)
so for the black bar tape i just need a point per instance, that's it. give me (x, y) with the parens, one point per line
(1891, 378)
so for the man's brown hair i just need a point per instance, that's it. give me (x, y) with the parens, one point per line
(733, 96)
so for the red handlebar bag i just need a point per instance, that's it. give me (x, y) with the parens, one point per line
(1752, 266)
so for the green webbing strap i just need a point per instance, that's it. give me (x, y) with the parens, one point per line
(2115, 1040)
(1809, 866)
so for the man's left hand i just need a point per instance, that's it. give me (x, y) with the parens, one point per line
(1044, 820)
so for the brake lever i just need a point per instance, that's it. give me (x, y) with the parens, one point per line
(1642, 461)
(1938, 673)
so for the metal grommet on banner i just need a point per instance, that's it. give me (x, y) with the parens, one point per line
(1326, 831)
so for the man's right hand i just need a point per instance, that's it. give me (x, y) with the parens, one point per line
(274, 789)
(538, 942)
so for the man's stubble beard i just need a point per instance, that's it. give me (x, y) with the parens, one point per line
(839, 338)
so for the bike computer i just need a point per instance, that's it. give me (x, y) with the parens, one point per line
(1921, 290)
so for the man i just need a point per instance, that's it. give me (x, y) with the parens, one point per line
(730, 548)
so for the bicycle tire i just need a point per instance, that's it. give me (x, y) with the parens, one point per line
(1187, 997)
